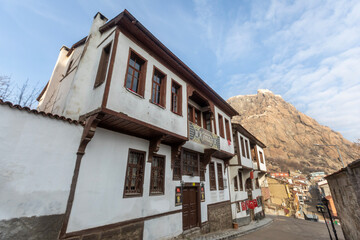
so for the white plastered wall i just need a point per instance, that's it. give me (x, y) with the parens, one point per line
(37, 159)
(123, 100)
(99, 193)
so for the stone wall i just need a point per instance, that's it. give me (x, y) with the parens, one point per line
(219, 216)
(345, 189)
(132, 231)
(31, 228)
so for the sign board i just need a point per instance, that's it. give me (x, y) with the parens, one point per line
(203, 136)
(178, 196)
(202, 193)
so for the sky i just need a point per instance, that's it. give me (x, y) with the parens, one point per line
(306, 51)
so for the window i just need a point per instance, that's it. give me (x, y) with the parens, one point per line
(220, 176)
(177, 169)
(212, 176)
(257, 185)
(134, 173)
(191, 113)
(207, 121)
(190, 163)
(135, 75)
(238, 207)
(157, 175)
(247, 149)
(227, 126)
(158, 88)
(221, 126)
(198, 117)
(241, 181)
(236, 188)
(103, 65)
(202, 168)
(176, 98)
(242, 146)
(261, 157)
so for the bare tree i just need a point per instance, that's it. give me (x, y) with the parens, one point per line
(5, 90)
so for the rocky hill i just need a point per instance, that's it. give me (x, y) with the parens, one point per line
(290, 135)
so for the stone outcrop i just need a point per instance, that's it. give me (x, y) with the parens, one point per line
(290, 135)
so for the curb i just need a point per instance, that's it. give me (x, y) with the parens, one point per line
(247, 231)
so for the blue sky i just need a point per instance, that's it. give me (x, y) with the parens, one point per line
(306, 51)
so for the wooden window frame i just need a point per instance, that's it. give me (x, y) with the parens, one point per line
(221, 125)
(220, 176)
(178, 99)
(197, 117)
(242, 146)
(204, 121)
(227, 127)
(202, 167)
(161, 181)
(241, 184)
(127, 194)
(261, 157)
(178, 166)
(184, 169)
(212, 176)
(162, 86)
(191, 113)
(236, 186)
(103, 65)
(142, 75)
(247, 149)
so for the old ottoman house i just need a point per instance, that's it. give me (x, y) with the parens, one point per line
(152, 160)
(246, 175)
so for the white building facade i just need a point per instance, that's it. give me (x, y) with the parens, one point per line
(153, 156)
(246, 177)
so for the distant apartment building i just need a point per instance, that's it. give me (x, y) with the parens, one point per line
(345, 190)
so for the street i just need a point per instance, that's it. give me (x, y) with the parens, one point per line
(291, 228)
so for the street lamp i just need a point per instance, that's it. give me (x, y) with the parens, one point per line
(333, 145)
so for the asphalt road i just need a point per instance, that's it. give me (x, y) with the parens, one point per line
(284, 228)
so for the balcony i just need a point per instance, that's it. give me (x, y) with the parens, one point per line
(203, 136)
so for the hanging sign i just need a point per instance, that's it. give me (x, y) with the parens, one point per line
(252, 175)
(178, 196)
(202, 193)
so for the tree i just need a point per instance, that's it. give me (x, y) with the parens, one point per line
(25, 95)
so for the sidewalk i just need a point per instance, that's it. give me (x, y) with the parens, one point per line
(232, 233)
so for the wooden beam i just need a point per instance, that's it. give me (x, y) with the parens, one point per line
(175, 152)
(154, 146)
(207, 155)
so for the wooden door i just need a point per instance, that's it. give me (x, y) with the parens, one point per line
(190, 207)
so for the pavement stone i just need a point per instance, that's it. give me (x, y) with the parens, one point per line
(233, 233)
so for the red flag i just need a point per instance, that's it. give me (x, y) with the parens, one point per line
(252, 175)
(255, 202)
(243, 205)
(251, 204)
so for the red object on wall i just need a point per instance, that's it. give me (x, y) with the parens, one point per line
(251, 204)
(243, 205)
(252, 175)
(255, 202)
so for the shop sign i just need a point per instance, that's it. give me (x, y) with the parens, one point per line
(178, 196)
(202, 193)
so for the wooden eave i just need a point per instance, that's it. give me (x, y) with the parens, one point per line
(238, 127)
(126, 22)
(122, 123)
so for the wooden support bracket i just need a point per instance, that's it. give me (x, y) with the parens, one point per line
(154, 146)
(175, 152)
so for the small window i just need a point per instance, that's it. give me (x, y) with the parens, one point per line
(134, 173)
(261, 157)
(212, 176)
(242, 146)
(236, 188)
(135, 74)
(227, 126)
(220, 176)
(103, 65)
(221, 126)
(241, 181)
(158, 88)
(247, 149)
(190, 163)
(157, 175)
(176, 98)
(177, 169)
(207, 121)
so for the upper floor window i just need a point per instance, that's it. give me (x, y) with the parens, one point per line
(261, 157)
(134, 173)
(221, 126)
(247, 149)
(242, 146)
(103, 65)
(176, 98)
(227, 126)
(207, 121)
(135, 75)
(197, 117)
(236, 188)
(241, 181)
(157, 175)
(257, 184)
(220, 176)
(158, 88)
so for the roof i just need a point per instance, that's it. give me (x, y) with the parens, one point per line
(246, 133)
(130, 24)
(353, 164)
(41, 113)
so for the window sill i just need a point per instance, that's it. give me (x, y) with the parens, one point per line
(179, 114)
(157, 105)
(156, 194)
(132, 195)
(135, 93)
